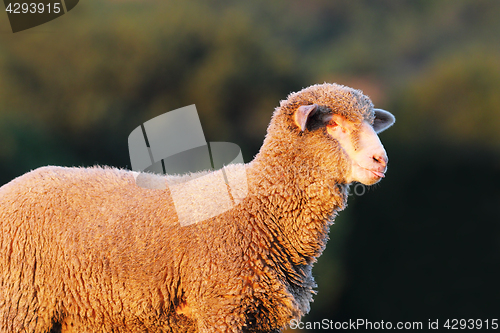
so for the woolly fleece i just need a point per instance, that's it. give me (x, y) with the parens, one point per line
(87, 250)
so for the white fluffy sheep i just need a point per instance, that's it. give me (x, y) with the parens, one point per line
(87, 250)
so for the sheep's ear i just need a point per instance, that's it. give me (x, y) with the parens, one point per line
(383, 120)
(302, 115)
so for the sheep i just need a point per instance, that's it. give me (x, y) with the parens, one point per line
(87, 250)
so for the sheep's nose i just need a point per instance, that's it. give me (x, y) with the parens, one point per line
(380, 159)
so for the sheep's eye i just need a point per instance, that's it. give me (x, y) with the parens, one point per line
(328, 120)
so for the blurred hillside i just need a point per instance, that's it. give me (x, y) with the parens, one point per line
(424, 244)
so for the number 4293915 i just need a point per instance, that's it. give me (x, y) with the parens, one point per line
(33, 8)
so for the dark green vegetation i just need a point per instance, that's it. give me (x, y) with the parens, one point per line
(424, 244)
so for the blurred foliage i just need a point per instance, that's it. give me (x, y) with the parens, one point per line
(426, 240)
(454, 100)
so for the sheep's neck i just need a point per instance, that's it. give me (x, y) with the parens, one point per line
(300, 208)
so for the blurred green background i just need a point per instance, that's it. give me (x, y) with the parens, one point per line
(424, 244)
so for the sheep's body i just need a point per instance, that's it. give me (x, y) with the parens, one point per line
(97, 263)
(63, 254)
(87, 250)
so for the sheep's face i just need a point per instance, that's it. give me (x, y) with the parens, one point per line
(363, 148)
(360, 143)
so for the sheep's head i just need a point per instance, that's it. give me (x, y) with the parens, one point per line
(358, 140)
(339, 126)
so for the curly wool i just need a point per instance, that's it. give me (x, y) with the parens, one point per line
(87, 250)
(343, 100)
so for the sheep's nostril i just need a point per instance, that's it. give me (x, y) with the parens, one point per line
(380, 159)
